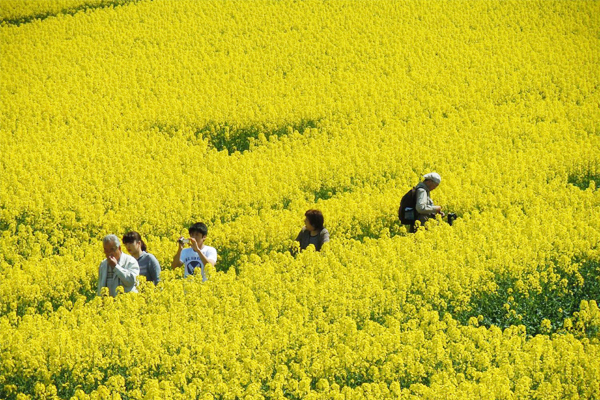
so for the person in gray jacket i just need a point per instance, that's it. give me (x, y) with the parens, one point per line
(313, 231)
(118, 269)
(149, 266)
(424, 205)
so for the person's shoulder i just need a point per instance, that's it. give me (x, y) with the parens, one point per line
(153, 259)
(303, 234)
(324, 231)
(210, 249)
(129, 259)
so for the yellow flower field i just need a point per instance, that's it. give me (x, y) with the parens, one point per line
(152, 115)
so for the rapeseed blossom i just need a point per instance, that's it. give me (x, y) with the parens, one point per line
(152, 115)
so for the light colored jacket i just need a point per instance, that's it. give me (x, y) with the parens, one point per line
(125, 274)
(424, 205)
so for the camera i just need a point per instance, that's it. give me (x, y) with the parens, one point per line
(451, 218)
(183, 241)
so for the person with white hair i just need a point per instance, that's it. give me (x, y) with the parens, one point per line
(424, 205)
(416, 204)
(118, 269)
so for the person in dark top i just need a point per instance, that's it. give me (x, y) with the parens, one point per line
(313, 231)
(149, 266)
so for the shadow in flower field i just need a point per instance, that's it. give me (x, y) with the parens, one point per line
(583, 179)
(234, 138)
(18, 21)
(556, 299)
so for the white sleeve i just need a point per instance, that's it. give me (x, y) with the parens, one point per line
(211, 255)
(128, 272)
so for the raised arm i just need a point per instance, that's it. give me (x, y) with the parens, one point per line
(176, 263)
(204, 259)
(128, 272)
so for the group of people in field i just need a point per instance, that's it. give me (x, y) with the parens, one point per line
(121, 269)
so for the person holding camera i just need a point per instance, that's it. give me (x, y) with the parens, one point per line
(424, 205)
(149, 266)
(118, 269)
(198, 254)
(313, 231)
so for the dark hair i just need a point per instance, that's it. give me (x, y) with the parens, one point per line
(132, 237)
(198, 227)
(315, 217)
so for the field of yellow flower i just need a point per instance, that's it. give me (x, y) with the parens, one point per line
(144, 115)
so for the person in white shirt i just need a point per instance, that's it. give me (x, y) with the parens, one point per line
(198, 255)
(118, 269)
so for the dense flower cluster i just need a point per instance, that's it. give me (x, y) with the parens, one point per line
(152, 115)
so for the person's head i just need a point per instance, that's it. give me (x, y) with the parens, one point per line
(133, 243)
(432, 180)
(112, 246)
(314, 220)
(198, 231)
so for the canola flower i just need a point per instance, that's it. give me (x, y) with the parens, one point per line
(154, 115)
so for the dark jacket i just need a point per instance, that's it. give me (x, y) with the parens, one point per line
(304, 238)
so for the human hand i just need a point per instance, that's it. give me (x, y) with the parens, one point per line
(194, 245)
(112, 261)
(181, 243)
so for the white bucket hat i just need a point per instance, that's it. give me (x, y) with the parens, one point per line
(433, 176)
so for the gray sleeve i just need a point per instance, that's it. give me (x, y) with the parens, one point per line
(324, 236)
(101, 280)
(154, 269)
(423, 206)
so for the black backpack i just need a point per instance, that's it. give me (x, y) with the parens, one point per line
(407, 213)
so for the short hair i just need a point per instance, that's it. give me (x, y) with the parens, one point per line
(132, 237)
(315, 217)
(112, 239)
(198, 227)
